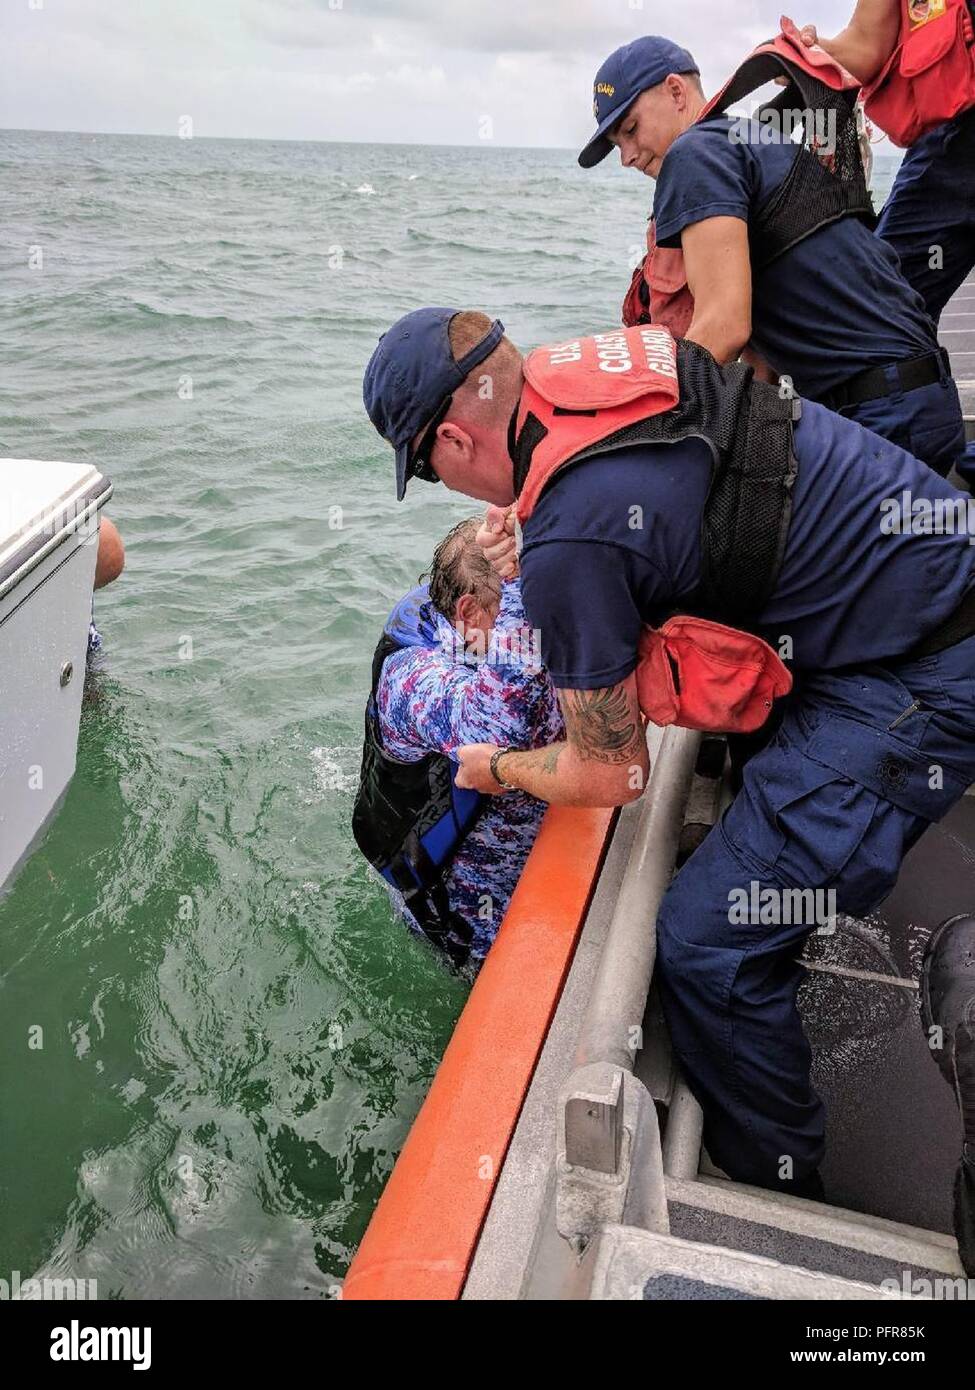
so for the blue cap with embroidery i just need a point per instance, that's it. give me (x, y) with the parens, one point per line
(412, 374)
(632, 69)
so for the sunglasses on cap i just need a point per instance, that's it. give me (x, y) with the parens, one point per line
(420, 465)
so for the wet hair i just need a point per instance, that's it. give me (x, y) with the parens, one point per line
(459, 568)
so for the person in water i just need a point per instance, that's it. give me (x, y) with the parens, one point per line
(832, 310)
(622, 525)
(456, 664)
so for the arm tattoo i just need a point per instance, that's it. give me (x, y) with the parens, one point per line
(551, 763)
(544, 760)
(599, 724)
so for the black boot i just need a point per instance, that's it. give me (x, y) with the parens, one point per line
(948, 990)
(948, 1004)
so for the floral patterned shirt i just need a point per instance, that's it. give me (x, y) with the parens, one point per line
(440, 698)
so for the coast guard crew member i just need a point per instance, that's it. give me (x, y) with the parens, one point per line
(929, 218)
(640, 492)
(832, 311)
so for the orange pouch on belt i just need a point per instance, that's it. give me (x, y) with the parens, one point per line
(703, 675)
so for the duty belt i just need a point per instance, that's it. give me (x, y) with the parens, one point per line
(874, 383)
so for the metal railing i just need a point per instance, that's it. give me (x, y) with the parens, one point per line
(610, 1159)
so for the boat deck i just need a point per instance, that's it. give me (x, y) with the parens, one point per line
(893, 1124)
(893, 1132)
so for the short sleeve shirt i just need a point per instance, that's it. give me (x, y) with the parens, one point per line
(833, 305)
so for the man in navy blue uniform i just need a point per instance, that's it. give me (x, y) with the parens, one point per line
(929, 218)
(877, 745)
(833, 311)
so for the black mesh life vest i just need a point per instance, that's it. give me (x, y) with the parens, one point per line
(819, 188)
(748, 426)
(409, 820)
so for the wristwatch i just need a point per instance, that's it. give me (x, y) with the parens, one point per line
(496, 757)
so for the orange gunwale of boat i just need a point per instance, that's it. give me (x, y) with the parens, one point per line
(424, 1231)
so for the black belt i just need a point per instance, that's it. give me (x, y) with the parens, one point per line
(874, 383)
(955, 629)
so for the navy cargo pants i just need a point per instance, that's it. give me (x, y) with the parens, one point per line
(863, 762)
(927, 421)
(929, 219)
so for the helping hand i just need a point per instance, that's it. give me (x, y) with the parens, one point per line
(474, 771)
(810, 39)
(497, 540)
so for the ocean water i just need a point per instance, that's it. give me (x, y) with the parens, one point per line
(236, 1032)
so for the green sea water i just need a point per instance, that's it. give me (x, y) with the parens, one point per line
(236, 1033)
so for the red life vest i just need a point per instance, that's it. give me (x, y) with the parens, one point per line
(692, 672)
(658, 291)
(617, 378)
(761, 66)
(930, 76)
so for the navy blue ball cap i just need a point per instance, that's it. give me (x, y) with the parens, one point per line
(632, 69)
(410, 376)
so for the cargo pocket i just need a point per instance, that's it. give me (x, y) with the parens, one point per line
(939, 447)
(822, 827)
(798, 821)
(931, 42)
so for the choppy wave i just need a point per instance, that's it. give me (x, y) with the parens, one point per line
(336, 769)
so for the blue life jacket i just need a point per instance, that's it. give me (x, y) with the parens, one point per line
(410, 818)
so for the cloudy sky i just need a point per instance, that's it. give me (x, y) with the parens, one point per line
(424, 71)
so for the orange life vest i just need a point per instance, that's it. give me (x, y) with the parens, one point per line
(930, 76)
(585, 390)
(658, 291)
(691, 671)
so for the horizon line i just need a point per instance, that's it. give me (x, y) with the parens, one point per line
(887, 149)
(277, 139)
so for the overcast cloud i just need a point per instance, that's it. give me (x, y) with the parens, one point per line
(423, 71)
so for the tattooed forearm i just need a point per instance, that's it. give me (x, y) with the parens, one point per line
(545, 760)
(551, 761)
(599, 723)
